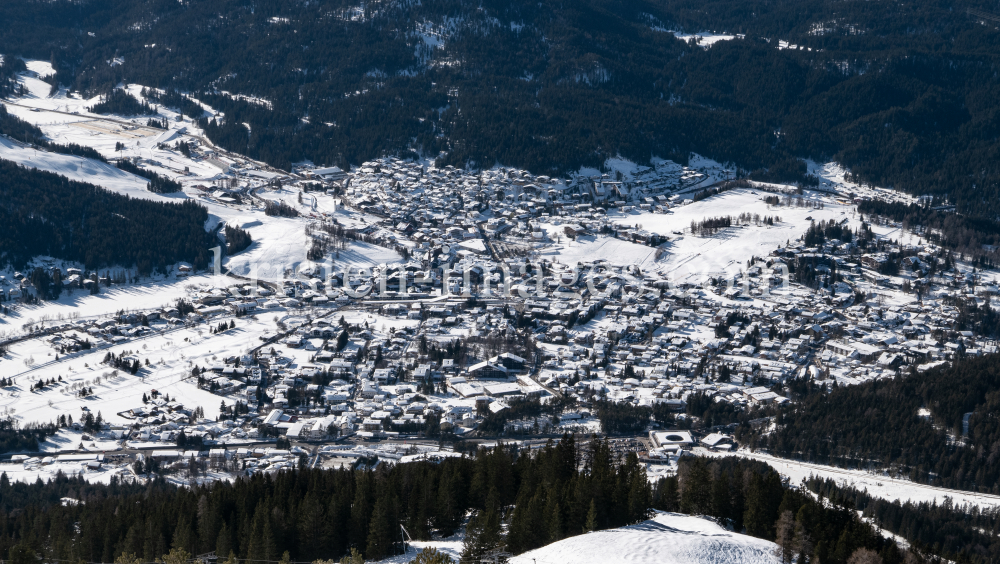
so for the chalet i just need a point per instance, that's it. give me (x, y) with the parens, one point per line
(243, 307)
(488, 371)
(509, 361)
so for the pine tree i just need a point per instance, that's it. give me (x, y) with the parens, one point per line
(448, 515)
(354, 558)
(483, 533)
(182, 536)
(555, 522)
(785, 528)
(696, 496)
(270, 548)
(762, 505)
(312, 533)
(722, 499)
(176, 556)
(639, 491)
(261, 542)
(223, 543)
(591, 518)
(380, 531)
(361, 509)
(431, 556)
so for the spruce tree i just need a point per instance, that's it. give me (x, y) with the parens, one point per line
(786, 536)
(182, 536)
(555, 522)
(361, 509)
(591, 524)
(380, 531)
(312, 533)
(223, 543)
(696, 483)
(483, 535)
(722, 499)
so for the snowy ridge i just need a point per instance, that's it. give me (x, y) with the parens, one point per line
(667, 538)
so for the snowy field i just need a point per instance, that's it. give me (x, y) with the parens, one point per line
(589, 248)
(172, 354)
(667, 538)
(451, 546)
(705, 39)
(18, 473)
(79, 169)
(693, 258)
(80, 304)
(279, 243)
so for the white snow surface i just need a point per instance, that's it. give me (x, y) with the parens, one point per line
(705, 39)
(79, 169)
(588, 248)
(695, 258)
(79, 304)
(667, 538)
(172, 353)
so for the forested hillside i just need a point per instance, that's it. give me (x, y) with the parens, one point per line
(45, 214)
(878, 425)
(957, 533)
(903, 93)
(319, 514)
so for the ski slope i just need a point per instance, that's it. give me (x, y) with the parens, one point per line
(80, 169)
(667, 538)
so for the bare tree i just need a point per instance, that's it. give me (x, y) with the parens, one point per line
(864, 556)
(786, 536)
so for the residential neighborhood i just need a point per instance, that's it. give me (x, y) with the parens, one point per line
(489, 305)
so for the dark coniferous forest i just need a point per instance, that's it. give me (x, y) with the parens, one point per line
(46, 214)
(120, 102)
(902, 93)
(877, 425)
(507, 500)
(157, 183)
(958, 533)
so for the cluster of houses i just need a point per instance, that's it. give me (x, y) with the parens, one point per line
(624, 343)
(442, 210)
(620, 334)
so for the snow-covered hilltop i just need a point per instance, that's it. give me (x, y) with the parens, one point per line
(667, 538)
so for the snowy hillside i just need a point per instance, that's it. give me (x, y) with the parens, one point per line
(78, 168)
(667, 538)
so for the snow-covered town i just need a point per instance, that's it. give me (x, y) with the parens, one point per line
(380, 309)
(520, 282)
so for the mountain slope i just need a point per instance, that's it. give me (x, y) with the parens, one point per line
(900, 92)
(46, 214)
